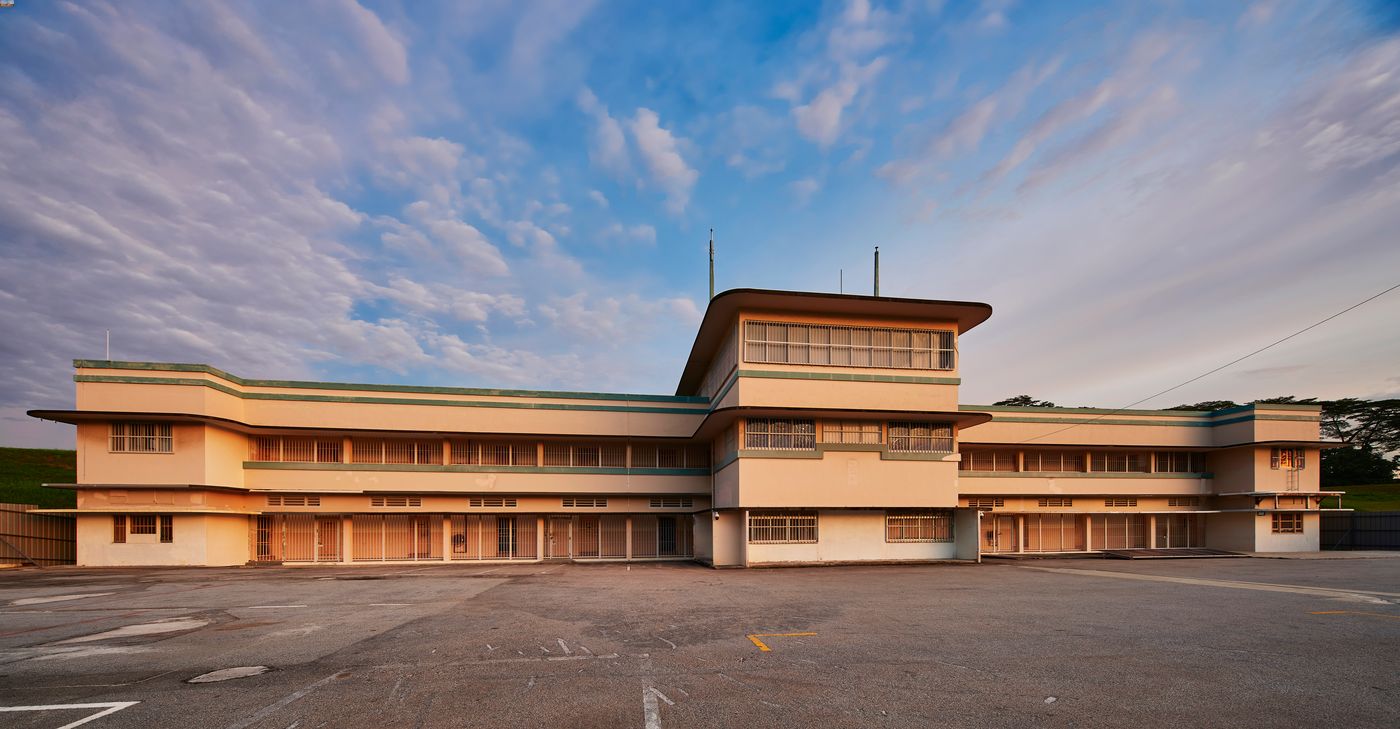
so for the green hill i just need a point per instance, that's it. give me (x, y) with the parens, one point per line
(22, 470)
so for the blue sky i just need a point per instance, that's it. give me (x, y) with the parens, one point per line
(519, 194)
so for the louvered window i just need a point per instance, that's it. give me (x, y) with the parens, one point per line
(1120, 502)
(495, 453)
(491, 502)
(1119, 462)
(671, 502)
(1190, 501)
(1054, 461)
(985, 502)
(910, 437)
(585, 455)
(293, 500)
(1178, 462)
(141, 438)
(397, 452)
(843, 346)
(783, 434)
(292, 449)
(987, 460)
(394, 501)
(585, 502)
(862, 432)
(1054, 503)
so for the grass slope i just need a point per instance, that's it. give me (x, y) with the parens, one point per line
(1372, 497)
(22, 470)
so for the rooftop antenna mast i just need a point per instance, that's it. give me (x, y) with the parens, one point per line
(842, 285)
(877, 270)
(712, 263)
(109, 345)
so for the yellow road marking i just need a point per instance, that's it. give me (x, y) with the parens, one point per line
(1354, 612)
(764, 647)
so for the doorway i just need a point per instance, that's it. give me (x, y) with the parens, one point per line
(557, 537)
(998, 533)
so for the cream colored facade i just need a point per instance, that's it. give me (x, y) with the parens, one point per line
(807, 428)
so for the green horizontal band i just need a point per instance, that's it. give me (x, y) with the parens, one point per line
(131, 380)
(423, 389)
(849, 377)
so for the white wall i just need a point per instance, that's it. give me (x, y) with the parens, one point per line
(1266, 541)
(850, 536)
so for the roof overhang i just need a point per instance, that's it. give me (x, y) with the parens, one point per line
(142, 487)
(723, 308)
(722, 418)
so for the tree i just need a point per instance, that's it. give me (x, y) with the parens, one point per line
(1355, 466)
(1370, 425)
(1025, 401)
(1208, 405)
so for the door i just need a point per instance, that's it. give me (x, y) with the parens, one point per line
(998, 533)
(328, 539)
(557, 538)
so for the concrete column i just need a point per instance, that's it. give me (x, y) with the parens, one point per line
(540, 523)
(446, 536)
(1020, 532)
(347, 538)
(629, 537)
(345, 446)
(1152, 531)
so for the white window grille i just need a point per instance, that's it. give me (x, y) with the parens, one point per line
(291, 449)
(161, 525)
(141, 438)
(1054, 461)
(844, 346)
(491, 502)
(396, 451)
(672, 502)
(930, 526)
(862, 432)
(980, 459)
(778, 527)
(1054, 503)
(585, 502)
(1178, 462)
(1119, 462)
(911, 437)
(393, 501)
(787, 434)
(1119, 502)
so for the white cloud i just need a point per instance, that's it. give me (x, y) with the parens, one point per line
(599, 198)
(385, 51)
(820, 119)
(608, 146)
(802, 190)
(639, 233)
(660, 151)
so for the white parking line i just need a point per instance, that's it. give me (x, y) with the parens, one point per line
(272, 607)
(57, 598)
(276, 707)
(1371, 596)
(110, 707)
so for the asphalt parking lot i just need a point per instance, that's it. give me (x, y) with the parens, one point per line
(1240, 642)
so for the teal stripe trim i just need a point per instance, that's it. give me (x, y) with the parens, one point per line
(823, 448)
(1106, 421)
(731, 458)
(1266, 416)
(1076, 474)
(1095, 411)
(728, 385)
(386, 400)
(421, 389)
(408, 467)
(849, 377)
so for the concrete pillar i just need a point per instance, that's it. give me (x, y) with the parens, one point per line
(1152, 531)
(1020, 532)
(345, 445)
(629, 537)
(347, 536)
(540, 524)
(446, 536)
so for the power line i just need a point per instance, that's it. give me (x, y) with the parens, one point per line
(1221, 367)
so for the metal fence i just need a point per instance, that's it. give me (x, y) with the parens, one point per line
(37, 539)
(1361, 530)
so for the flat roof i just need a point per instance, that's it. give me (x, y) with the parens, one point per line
(726, 305)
